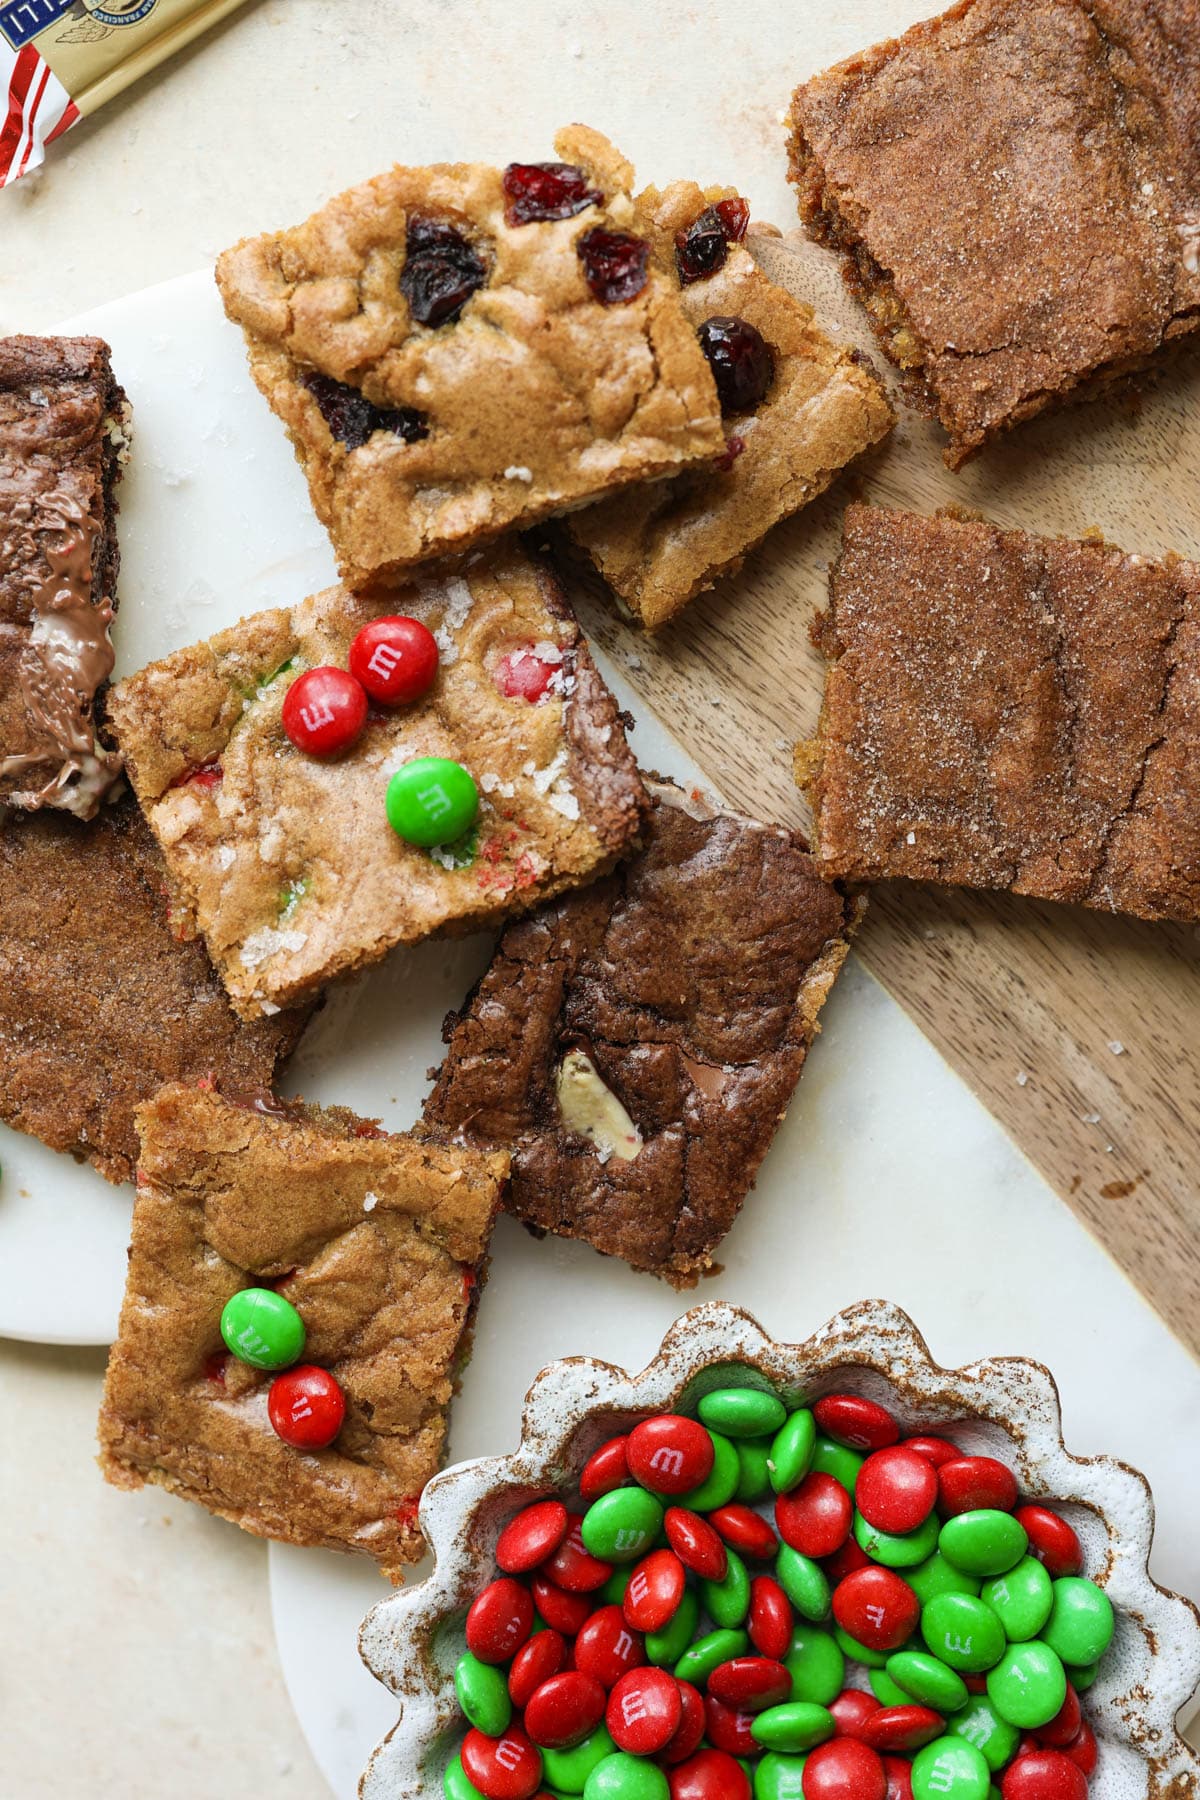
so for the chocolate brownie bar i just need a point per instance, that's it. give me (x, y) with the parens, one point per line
(1008, 711)
(377, 1241)
(63, 436)
(659, 545)
(288, 865)
(458, 351)
(100, 1001)
(637, 1043)
(1015, 187)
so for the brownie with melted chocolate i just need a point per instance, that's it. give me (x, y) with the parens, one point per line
(636, 1044)
(379, 1241)
(101, 1002)
(1015, 188)
(1008, 711)
(63, 427)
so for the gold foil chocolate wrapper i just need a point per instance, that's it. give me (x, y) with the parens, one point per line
(62, 59)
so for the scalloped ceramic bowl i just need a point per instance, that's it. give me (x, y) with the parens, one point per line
(1006, 1408)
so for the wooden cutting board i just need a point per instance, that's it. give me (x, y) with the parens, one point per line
(1080, 1031)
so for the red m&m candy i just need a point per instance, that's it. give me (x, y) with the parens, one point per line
(851, 1710)
(771, 1618)
(899, 1778)
(1043, 1775)
(877, 1607)
(896, 1489)
(564, 1710)
(670, 1454)
(535, 1662)
(572, 1567)
(499, 1621)
(654, 1591)
(503, 1768)
(745, 1530)
(728, 1727)
(324, 711)
(695, 1543)
(395, 659)
(934, 1449)
(690, 1728)
(607, 1648)
(306, 1407)
(750, 1683)
(710, 1775)
(815, 1517)
(853, 1420)
(907, 1728)
(844, 1769)
(565, 1612)
(644, 1711)
(607, 1468)
(532, 1536)
(1052, 1540)
(972, 1482)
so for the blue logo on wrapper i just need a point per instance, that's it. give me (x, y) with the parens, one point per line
(21, 20)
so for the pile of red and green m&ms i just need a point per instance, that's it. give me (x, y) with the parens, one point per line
(305, 1405)
(692, 1630)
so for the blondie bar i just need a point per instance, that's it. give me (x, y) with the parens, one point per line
(1007, 711)
(637, 1043)
(63, 434)
(377, 1241)
(1015, 187)
(287, 864)
(100, 1000)
(798, 408)
(459, 350)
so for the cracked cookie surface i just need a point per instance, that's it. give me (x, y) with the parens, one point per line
(529, 397)
(100, 1000)
(1015, 187)
(287, 863)
(1009, 711)
(660, 545)
(377, 1240)
(678, 998)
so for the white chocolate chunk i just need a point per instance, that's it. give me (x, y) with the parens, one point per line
(590, 1107)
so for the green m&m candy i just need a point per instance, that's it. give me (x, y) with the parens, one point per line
(792, 1451)
(779, 1777)
(1082, 1679)
(950, 1769)
(431, 800)
(928, 1680)
(568, 1770)
(621, 1525)
(863, 1653)
(668, 1645)
(885, 1690)
(796, 1725)
(1020, 1599)
(754, 1476)
(963, 1632)
(816, 1665)
(455, 1784)
(936, 1576)
(263, 1329)
(728, 1601)
(983, 1541)
(981, 1725)
(742, 1412)
(623, 1776)
(720, 1484)
(613, 1591)
(1080, 1625)
(804, 1582)
(707, 1653)
(483, 1695)
(838, 1460)
(897, 1550)
(1028, 1685)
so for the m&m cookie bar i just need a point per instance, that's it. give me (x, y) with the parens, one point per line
(299, 1288)
(311, 822)
(637, 1043)
(1015, 189)
(100, 1001)
(1006, 711)
(797, 409)
(458, 351)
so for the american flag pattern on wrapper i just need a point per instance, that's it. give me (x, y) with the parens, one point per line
(39, 109)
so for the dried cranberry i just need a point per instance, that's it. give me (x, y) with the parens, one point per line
(742, 365)
(441, 271)
(701, 248)
(734, 445)
(614, 264)
(546, 191)
(352, 417)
